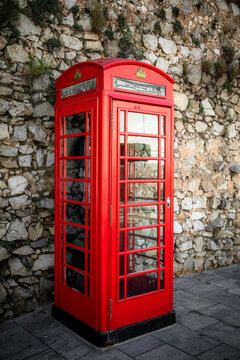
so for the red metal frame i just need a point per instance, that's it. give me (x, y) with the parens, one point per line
(101, 308)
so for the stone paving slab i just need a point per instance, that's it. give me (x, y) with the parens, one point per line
(208, 328)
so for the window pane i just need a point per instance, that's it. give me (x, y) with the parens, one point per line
(162, 170)
(76, 124)
(76, 146)
(162, 214)
(142, 123)
(75, 236)
(162, 231)
(162, 279)
(142, 238)
(121, 289)
(122, 169)
(162, 147)
(121, 265)
(142, 146)
(75, 169)
(162, 258)
(122, 217)
(122, 145)
(142, 192)
(75, 213)
(147, 169)
(121, 240)
(75, 258)
(142, 216)
(75, 191)
(122, 193)
(142, 284)
(163, 125)
(89, 122)
(75, 280)
(162, 191)
(122, 121)
(142, 261)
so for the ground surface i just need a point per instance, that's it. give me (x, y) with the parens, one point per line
(208, 327)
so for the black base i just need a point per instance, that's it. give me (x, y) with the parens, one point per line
(111, 337)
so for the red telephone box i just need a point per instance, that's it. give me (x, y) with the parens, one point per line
(113, 200)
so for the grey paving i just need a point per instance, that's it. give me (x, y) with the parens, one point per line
(208, 328)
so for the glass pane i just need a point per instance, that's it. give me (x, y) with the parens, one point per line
(75, 236)
(162, 279)
(122, 193)
(75, 213)
(89, 215)
(121, 289)
(74, 169)
(75, 280)
(89, 145)
(88, 192)
(88, 267)
(142, 238)
(121, 265)
(76, 124)
(162, 147)
(142, 123)
(162, 191)
(162, 169)
(162, 257)
(142, 284)
(75, 191)
(89, 122)
(142, 261)
(142, 192)
(122, 145)
(163, 125)
(147, 169)
(121, 241)
(142, 146)
(122, 121)
(88, 286)
(75, 258)
(122, 169)
(89, 169)
(88, 239)
(122, 217)
(162, 215)
(76, 146)
(162, 230)
(142, 216)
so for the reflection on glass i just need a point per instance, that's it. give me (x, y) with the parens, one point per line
(142, 216)
(121, 289)
(142, 238)
(142, 192)
(162, 242)
(162, 170)
(76, 124)
(75, 190)
(122, 193)
(162, 191)
(75, 280)
(142, 261)
(138, 169)
(75, 213)
(122, 217)
(76, 146)
(121, 241)
(142, 284)
(162, 279)
(122, 169)
(162, 147)
(74, 169)
(163, 125)
(162, 215)
(122, 121)
(122, 145)
(75, 258)
(75, 236)
(142, 123)
(142, 146)
(162, 257)
(121, 265)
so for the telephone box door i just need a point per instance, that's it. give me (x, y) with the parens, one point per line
(141, 221)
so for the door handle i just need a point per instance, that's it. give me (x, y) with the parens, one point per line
(168, 202)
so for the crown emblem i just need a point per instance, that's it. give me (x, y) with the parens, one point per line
(77, 75)
(140, 73)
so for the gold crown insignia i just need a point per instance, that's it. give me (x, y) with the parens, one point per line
(77, 75)
(140, 73)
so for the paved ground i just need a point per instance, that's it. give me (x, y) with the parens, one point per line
(208, 328)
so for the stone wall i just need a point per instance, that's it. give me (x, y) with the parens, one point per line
(197, 43)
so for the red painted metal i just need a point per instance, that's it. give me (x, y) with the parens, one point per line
(100, 305)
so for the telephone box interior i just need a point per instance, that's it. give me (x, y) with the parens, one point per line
(113, 199)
